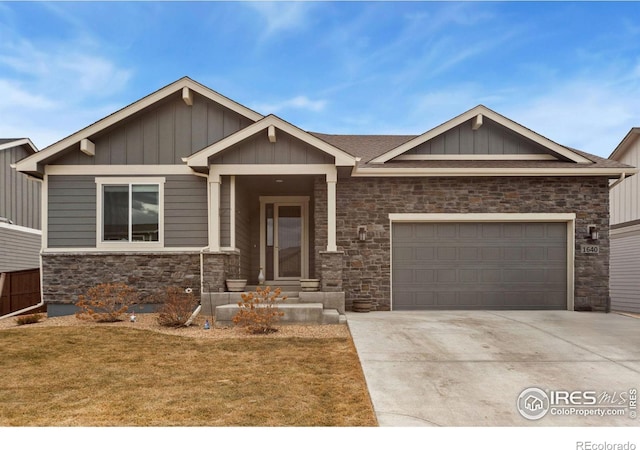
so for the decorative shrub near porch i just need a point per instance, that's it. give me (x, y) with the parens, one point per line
(259, 310)
(106, 302)
(178, 306)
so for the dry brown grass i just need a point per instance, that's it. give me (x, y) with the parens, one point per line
(117, 376)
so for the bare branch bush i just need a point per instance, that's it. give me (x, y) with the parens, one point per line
(106, 302)
(259, 310)
(178, 306)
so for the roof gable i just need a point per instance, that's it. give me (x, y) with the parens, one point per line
(184, 85)
(270, 123)
(163, 133)
(475, 118)
(627, 142)
(22, 142)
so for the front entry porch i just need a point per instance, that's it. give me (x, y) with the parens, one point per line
(276, 227)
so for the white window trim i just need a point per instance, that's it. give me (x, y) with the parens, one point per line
(568, 218)
(129, 246)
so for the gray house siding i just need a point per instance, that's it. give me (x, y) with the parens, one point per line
(72, 211)
(625, 269)
(490, 138)
(244, 215)
(286, 150)
(20, 249)
(625, 233)
(185, 211)
(19, 195)
(163, 134)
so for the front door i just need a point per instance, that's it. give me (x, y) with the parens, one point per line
(284, 237)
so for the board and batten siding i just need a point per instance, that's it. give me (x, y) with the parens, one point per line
(19, 195)
(286, 150)
(72, 211)
(625, 197)
(19, 248)
(625, 270)
(163, 134)
(489, 139)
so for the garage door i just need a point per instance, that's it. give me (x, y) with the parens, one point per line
(479, 266)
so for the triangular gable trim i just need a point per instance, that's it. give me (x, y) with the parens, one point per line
(24, 142)
(472, 113)
(626, 142)
(201, 158)
(30, 164)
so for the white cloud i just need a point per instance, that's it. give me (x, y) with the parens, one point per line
(300, 102)
(14, 96)
(50, 87)
(52, 65)
(589, 115)
(282, 16)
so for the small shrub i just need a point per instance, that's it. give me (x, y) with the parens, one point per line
(106, 302)
(259, 310)
(31, 318)
(177, 308)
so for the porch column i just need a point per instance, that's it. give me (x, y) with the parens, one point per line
(332, 178)
(232, 211)
(214, 212)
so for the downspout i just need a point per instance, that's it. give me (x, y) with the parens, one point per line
(202, 250)
(618, 181)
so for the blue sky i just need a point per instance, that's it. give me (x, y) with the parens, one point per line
(568, 70)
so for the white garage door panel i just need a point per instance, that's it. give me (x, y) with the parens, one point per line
(479, 266)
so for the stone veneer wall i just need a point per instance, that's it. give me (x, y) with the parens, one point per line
(369, 201)
(219, 267)
(67, 275)
(331, 271)
(320, 223)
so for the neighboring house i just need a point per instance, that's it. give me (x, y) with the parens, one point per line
(20, 235)
(187, 187)
(625, 230)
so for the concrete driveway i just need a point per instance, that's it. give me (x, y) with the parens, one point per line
(469, 368)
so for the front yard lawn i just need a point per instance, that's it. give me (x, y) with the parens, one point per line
(108, 376)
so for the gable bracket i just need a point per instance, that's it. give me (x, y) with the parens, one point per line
(476, 122)
(87, 147)
(272, 134)
(187, 96)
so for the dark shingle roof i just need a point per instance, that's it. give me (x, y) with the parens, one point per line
(366, 147)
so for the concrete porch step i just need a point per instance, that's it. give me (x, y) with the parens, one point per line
(294, 313)
(295, 287)
(330, 300)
